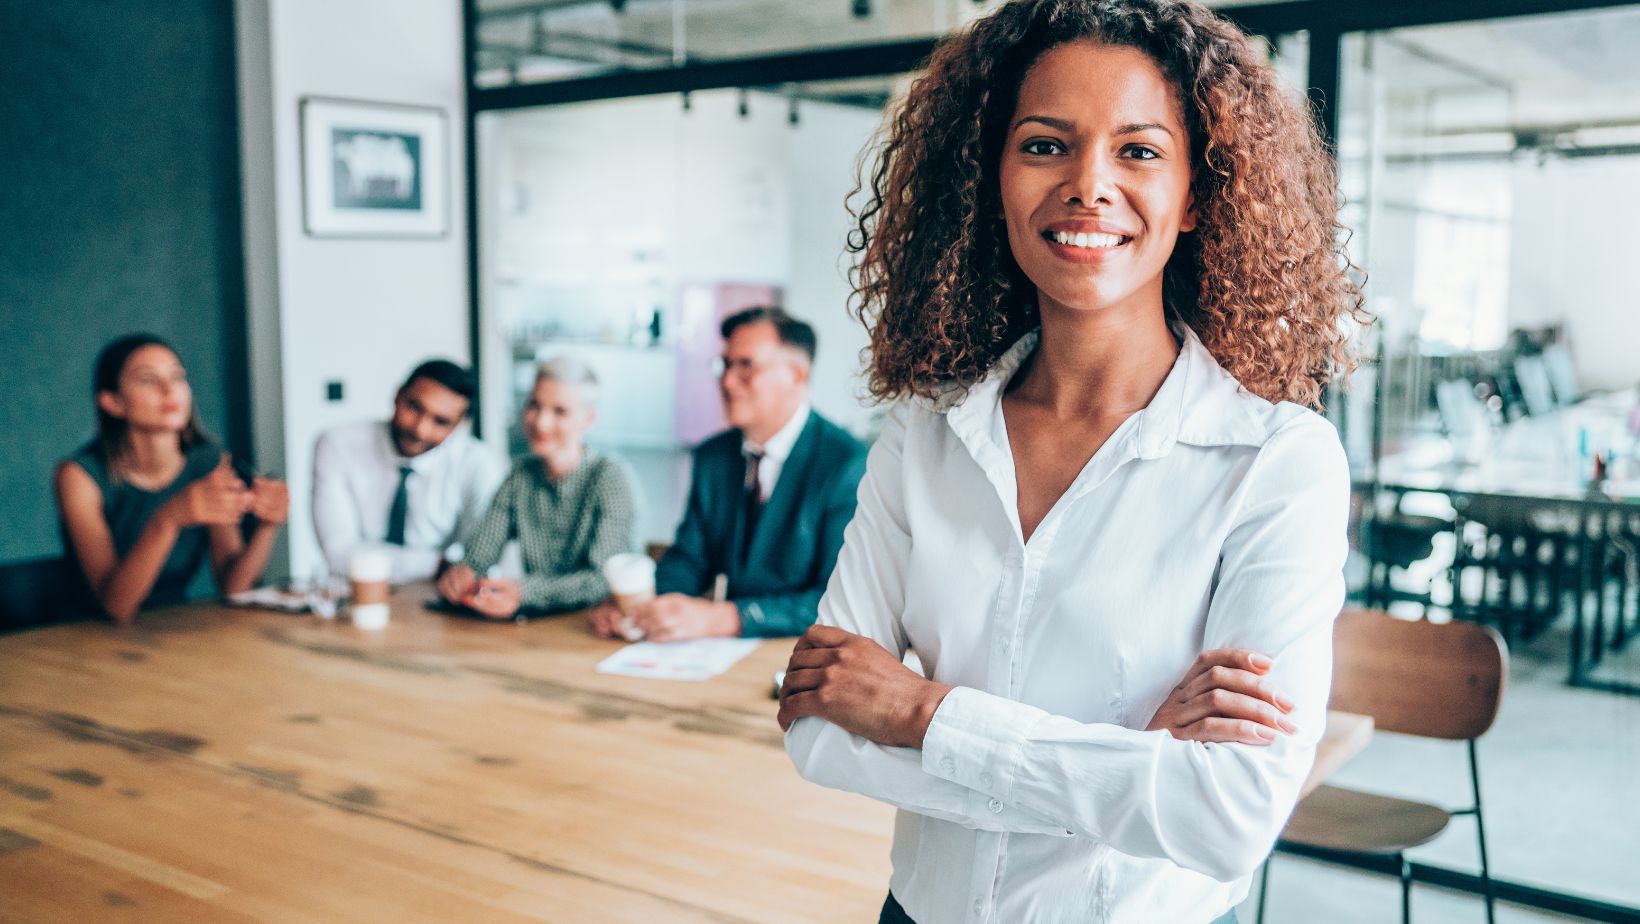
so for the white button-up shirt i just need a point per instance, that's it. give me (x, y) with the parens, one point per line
(777, 450)
(356, 473)
(1212, 518)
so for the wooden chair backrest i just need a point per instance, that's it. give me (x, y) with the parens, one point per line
(1436, 680)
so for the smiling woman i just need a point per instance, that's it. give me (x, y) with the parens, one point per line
(1099, 266)
(569, 508)
(1262, 282)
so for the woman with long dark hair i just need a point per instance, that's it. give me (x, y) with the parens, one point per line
(1101, 270)
(151, 497)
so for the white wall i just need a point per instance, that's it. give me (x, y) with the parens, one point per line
(600, 204)
(1573, 227)
(359, 311)
(821, 151)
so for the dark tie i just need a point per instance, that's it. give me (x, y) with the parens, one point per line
(401, 506)
(754, 495)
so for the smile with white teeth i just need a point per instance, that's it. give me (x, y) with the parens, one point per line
(1090, 241)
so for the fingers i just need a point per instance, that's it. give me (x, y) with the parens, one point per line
(801, 681)
(647, 621)
(826, 636)
(602, 620)
(1225, 731)
(1235, 680)
(1237, 658)
(1227, 705)
(224, 475)
(662, 632)
(811, 657)
(492, 603)
(456, 583)
(658, 619)
(797, 706)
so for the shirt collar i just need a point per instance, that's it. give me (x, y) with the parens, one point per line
(1199, 403)
(780, 445)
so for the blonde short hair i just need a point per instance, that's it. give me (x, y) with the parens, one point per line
(567, 370)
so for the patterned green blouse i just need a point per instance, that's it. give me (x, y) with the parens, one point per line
(566, 530)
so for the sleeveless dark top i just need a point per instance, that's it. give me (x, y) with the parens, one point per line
(128, 508)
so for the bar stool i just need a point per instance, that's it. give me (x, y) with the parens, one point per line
(1434, 680)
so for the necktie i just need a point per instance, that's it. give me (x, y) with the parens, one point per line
(401, 507)
(754, 495)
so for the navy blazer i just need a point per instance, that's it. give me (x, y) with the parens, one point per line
(778, 580)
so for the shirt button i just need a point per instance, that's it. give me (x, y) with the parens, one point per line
(979, 906)
(995, 805)
(948, 765)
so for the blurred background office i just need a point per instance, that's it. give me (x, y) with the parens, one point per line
(615, 176)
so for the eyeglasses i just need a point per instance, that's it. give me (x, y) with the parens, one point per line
(744, 369)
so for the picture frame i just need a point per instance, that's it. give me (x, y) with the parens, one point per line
(372, 169)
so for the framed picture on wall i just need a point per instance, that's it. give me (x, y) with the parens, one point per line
(374, 169)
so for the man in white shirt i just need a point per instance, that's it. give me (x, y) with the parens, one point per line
(414, 483)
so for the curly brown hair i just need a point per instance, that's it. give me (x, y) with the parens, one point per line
(1263, 281)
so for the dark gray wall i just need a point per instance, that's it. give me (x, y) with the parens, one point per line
(119, 211)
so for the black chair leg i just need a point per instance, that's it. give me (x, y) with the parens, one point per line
(1480, 833)
(1263, 887)
(1406, 888)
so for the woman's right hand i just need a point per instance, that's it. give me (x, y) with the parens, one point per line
(457, 583)
(1225, 698)
(218, 499)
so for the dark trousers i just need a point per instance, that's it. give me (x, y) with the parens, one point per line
(892, 913)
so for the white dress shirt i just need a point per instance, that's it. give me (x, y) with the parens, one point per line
(1212, 518)
(777, 450)
(356, 474)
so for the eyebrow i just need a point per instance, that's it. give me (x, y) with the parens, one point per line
(1131, 128)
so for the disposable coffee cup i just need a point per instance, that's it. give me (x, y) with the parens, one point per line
(368, 572)
(631, 580)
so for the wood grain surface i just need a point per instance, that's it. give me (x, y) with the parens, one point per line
(214, 764)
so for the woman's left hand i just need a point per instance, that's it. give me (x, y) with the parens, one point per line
(270, 500)
(1225, 698)
(496, 599)
(859, 686)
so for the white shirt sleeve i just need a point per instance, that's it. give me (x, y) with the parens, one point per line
(1215, 809)
(336, 517)
(865, 596)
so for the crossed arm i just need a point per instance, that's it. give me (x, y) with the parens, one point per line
(1210, 796)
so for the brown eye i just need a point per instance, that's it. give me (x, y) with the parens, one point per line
(1041, 147)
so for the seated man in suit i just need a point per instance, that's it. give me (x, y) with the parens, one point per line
(768, 499)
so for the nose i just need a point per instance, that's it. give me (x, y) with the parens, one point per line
(1090, 180)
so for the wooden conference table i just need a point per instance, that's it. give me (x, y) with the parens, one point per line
(212, 764)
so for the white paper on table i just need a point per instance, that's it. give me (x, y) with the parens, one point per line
(271, 598)
(696, 659)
